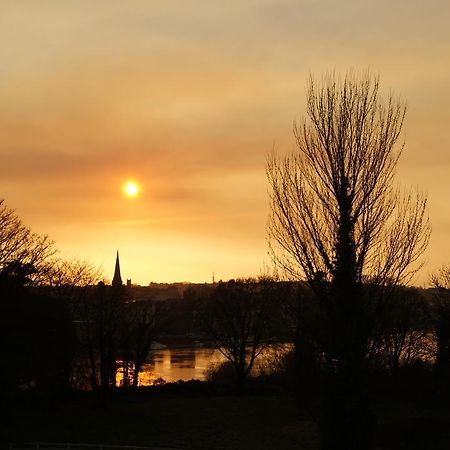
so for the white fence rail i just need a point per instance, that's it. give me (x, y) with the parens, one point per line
(74, 446)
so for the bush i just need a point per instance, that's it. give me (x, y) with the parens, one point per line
(221, 373)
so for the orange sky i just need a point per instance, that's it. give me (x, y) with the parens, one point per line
(188, 97)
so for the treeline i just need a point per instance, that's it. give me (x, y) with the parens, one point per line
(64, 328)
(67, 336)
(75, 335)
(410, 338)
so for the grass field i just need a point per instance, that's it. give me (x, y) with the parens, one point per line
(186, 421)
(200, 419)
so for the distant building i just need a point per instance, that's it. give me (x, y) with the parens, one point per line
(117, 279)
(155, 291)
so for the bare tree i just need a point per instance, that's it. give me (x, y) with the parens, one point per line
(73, 282)
(25, 258)
(403, 334)
(19, 245)
(238, 318)
(337, 220)
(103, 309)
(68, 276)
(336, 191)
(141, 323)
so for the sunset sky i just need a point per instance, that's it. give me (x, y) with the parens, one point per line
(187, 98)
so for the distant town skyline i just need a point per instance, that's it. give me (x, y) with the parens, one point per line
(187, 99)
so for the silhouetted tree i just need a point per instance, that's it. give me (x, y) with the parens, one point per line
(403, 333)
(37, 334)
(20, 246)
(100, 312)
(25, 258)
(441, 282)
(14, 278)
(337, 221)
(141, 323)
(73, 282)
(238, 317)
(41, 303)
(300, 324)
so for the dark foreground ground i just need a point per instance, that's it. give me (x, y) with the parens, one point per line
(190, 416)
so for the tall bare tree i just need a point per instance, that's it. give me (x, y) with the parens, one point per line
(338, 221)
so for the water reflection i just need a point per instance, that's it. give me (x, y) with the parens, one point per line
(191, 363)
(178, 364)
(184, 359)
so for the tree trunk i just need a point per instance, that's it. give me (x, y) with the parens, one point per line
(347, 421)
(137, 369)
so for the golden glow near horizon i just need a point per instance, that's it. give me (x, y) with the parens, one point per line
(131, 189)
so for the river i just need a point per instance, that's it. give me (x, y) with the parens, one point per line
(173, 364)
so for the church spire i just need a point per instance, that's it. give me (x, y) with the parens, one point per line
(117, 280)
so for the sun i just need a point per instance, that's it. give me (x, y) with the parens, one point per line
(131, 189)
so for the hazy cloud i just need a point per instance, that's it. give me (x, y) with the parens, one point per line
(188, 97)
